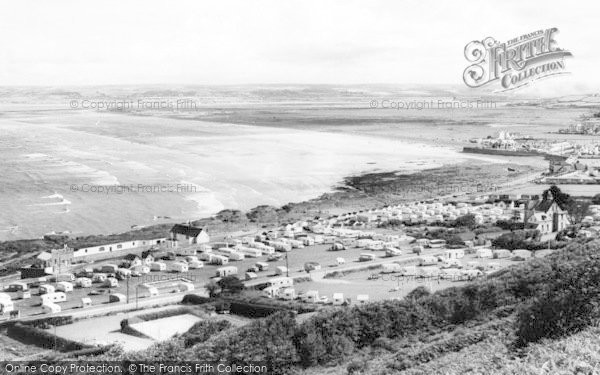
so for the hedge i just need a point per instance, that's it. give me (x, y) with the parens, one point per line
(31, 335)
(50, 321)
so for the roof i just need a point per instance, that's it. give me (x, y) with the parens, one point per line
(187, 230)
(544, 205)
(44, 255)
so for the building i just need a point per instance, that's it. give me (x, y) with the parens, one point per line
(187, 234)
(115, 250)
(548, 217)
(57, 260)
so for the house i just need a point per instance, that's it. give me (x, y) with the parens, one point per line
(547, 216)
(57, 260)
(187, 234)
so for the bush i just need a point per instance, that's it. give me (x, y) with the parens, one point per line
(203, 330)
(36, 336)
(194, 299)
(568, 304)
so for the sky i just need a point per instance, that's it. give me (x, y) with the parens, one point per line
(66, 43)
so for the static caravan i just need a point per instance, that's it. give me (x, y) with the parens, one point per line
(471, 274)
(186, 251)
(366, 257)
(281, 270)
(158, 266)
(109, 268)
(51, 308)
(219, 259)
(281, 246)
(65, 277)
(308, 241)
(375, 246)
(205, 256)
(99, 277)
(427, 260)
(124, 272)
(83, 282)
(85, 302)
(338, 299)
(195, 264)
(143, 269)
(409, 271)
(267, 250)
(362, 298)
(454, 253)
(340, 261)
(179, 267)
(392, 252)
(5, 297)
(6, 306)
(270, 292)
(111, 282)
(483, 253)
(280, 282)
(296, 244)
(53, 297)
(145, 290)
(451, 273)
(288, 294)
(391, 268)
(262, 266)
(501, 253)
(117, 297)
(338, 246)
(226, 271)
(46, 288)
(64, 286)
(311, 296)
(191, 258)
(429, 271)
(17, 286)
(185, 286)
(24, 294)
(249, 252)
(235, 255)
(437, 244)
(251, 276)
(521, 253)
(311, 266)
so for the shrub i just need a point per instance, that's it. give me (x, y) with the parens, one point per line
(203, 330)
(569, 303)
(36, 336)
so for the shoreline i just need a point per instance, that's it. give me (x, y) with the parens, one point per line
(353, 193)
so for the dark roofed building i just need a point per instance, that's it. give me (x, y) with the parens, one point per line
(187, 234)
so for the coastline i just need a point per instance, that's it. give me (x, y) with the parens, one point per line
(353, 193)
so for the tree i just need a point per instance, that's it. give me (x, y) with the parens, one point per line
(231, 284)
(467, 220)
(212, 288)
(596, 199)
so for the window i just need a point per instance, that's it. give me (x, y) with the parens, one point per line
(119, 246)
(101, 248)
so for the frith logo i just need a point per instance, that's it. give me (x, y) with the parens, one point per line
(515, 63)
